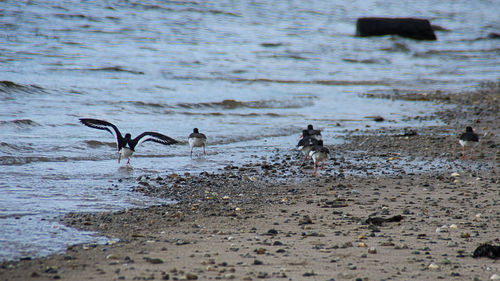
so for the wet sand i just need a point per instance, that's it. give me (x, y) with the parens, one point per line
(272, 220)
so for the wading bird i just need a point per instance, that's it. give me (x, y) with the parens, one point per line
(126, 145)
(468, 139)
(197, 139)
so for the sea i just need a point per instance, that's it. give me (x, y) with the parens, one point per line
(250, 74)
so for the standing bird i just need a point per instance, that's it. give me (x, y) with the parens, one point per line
(126, 145)
(315, 134)
(197, 139)
(468, 139)
(306, 143)
(319, 154)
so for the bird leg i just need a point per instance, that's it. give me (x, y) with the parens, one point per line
(322, 165)
(463, 152)
(128, 161)
(315, 168)
(204, 150)
(119, 157)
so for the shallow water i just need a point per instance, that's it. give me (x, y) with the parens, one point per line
(249, 74)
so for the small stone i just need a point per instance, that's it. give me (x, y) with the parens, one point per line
(455, 174)
(309, 273)
(153, 260)
(191, 276)
(433, 266)
(262, 275)
(260, 251)
(495, 277)
(443, 228)
(362, 245)
(372, 250)
(112, 257)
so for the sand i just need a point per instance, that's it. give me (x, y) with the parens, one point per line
(391, 204)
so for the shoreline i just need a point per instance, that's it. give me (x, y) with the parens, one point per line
(272, 220)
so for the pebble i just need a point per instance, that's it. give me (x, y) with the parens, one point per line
(495, 277)
(372, 250)
(309, 273)
(433, 266)
(112, 257)
(362, 245)
(191, 276)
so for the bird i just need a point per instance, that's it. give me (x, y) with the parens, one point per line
(197, 139)
(306, 143)
(315, 134)
(319, 154)
(468, 139)
(126, 145)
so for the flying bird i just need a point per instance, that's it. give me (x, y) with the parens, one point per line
(126, 145)
(197, 139)
(468, 139)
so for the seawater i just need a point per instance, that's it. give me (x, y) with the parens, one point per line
(248, 74)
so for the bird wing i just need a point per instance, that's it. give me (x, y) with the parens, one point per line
(467, 136)
(104, 125)
(151, 136)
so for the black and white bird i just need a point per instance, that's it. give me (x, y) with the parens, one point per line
(306, 143)
(468, 139)
(126, 145)
(311, 132)
(197, 139)
(319, 154)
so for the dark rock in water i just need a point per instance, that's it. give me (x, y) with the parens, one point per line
(488, 251)
(439, 28)
(419, 29)
(153, 260)
(494, 35)
(379, 220)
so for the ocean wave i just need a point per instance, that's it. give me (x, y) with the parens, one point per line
(8, 87)
(19, 123)
(76, 17)
(10, 148)
(298, 102)
(150, 104)
(108, 69)
(94, 143)
(368, 61)
(22, 160)
(281, 81)
(180, 10)
(277, 132)
(253, 114)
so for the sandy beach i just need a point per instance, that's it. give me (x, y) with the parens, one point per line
(390, 204)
